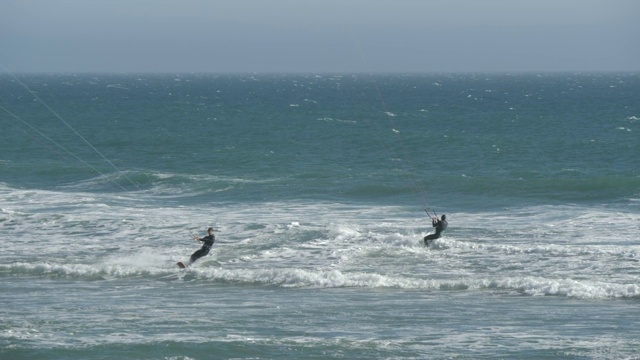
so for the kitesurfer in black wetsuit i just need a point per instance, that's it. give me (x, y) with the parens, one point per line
(440, 225)
(206, 246)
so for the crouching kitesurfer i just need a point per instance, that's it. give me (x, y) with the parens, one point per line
(440, 225)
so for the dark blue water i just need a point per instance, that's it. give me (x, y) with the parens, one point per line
(463, 140)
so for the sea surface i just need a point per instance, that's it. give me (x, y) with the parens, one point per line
(317, 186)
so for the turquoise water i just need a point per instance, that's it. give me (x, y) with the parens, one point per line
(318, 184)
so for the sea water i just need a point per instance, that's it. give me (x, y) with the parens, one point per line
(317, 186)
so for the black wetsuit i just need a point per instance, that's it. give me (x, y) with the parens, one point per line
(440, 225)
(204, 250)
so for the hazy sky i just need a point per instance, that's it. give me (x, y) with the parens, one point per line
(319, 35)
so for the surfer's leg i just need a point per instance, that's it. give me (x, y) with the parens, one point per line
(429, 238)
(198, 254)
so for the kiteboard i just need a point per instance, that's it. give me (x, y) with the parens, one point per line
(209, 263)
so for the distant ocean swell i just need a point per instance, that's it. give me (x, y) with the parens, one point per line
(563, 187)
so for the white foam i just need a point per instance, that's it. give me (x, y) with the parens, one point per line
(552, 250)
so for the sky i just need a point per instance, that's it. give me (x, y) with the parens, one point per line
(319, 36)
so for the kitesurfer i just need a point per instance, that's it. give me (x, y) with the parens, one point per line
(440, 225)
(206, 246)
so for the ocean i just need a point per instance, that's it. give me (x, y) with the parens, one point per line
(318, 186)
